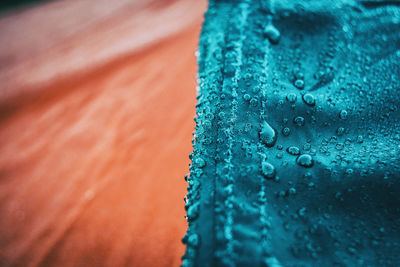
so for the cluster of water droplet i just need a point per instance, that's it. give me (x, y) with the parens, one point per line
(292, 137)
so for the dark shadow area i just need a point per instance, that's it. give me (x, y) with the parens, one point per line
(7, 5)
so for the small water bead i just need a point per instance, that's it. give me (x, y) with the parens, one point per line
(305, 160)
(299, 84)
(200, 162)
(268, 170)
(299, 121)
(193, 212)
(247, 97)
(281, 194)
(291, 97)
(309, 99)
(339, 146)
(340, 131)
(192, 240)
(268, 135)
(343, 114)
(349, 171)
(293, 150)
(307, 146)
(254, 102)
(291, 191)
(286, 131)
(302, 211)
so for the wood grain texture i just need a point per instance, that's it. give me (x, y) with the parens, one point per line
(97, 105)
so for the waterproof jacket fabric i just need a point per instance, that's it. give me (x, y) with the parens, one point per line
(296, 150)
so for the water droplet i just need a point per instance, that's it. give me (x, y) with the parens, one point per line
(293, 150)
(343, 114)
(291, 97)
(200, 162)
(193, 212)
(340, 131)
(272, 33)
(302, 212)
(299, 121)
(268, 170)
(286, 131)
(305, 160)
(307, 146)
(254, 102)
(299, 84)
(291, 191)
(268, 135)
(193, 240)
(272, 262)
(298, 75)
(349, 171)
(309, 99)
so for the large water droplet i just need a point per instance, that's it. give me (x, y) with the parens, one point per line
(305, 160)
(268, 135)
(272, 33)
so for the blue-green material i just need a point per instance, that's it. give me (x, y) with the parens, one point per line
(296, 150)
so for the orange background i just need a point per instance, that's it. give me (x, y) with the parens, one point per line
(97, 105)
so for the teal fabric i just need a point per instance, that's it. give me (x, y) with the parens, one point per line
(296, 150)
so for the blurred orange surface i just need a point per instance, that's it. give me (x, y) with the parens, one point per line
(97, 104)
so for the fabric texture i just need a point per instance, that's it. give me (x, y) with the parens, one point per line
(296, 150)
